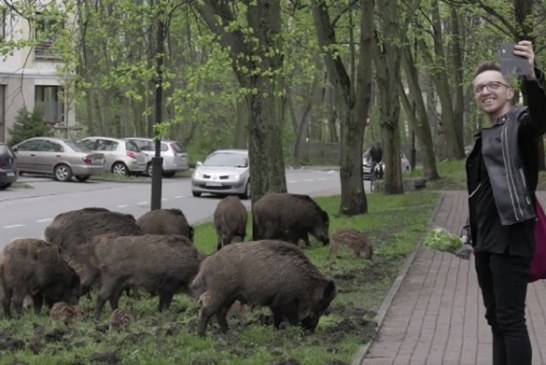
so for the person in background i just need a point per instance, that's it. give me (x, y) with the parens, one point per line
(502, 175)
(376, 155)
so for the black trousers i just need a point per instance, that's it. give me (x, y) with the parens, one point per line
(503, 282)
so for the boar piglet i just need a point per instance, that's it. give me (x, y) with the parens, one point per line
(230, 219)
(289, 217)
(36, 268)
(268, 273)
(71, 229)
(159, 264)
(165, 221)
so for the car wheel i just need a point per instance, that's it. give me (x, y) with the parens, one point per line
(4, 186)
(119, 168)
(169, 173)
(62, 173)
(83, 178)
(247, 193)
(196, 194)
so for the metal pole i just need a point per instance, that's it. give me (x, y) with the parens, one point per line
(157, 160)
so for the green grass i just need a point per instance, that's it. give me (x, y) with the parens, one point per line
(395, 225)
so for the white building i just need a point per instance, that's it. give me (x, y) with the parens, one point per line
(30, 78)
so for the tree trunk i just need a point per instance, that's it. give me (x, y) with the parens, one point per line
(256, 63)
(387, 63)
(353, 197)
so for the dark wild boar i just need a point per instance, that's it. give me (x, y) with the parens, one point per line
(77, 227)
(289, 217)
(268, 273)
(36, 268)
(352, 239)
(160, 264)
(165, 221)
(230, 218)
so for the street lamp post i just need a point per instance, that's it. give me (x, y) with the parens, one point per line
(157, 160)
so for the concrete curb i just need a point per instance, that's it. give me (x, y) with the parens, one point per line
(387, 302)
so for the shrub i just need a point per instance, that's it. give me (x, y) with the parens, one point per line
(28, 125)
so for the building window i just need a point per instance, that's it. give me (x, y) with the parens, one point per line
(49, 100)
(3, 13)
(45, 33)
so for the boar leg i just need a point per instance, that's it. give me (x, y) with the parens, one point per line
(6, 301)
(107, 290)
(211, 305)
(165, 299)
(37, 301)
(17, 299)
(221, 315)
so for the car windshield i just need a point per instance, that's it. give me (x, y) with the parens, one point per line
(77, 146)
(226, 159)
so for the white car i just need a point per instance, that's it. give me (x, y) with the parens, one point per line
(223, 172)
(174, 157)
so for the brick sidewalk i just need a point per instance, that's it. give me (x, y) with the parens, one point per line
(437, 315)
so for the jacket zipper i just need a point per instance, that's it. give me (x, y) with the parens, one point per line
(516, 204)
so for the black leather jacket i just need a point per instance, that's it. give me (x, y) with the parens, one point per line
(510, 154)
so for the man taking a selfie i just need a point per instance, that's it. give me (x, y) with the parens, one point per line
(502, 175)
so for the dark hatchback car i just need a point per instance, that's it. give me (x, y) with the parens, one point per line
(8, 167)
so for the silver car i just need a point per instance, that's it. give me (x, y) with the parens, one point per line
(174, 157)
(224, 172)
(58, 157)
(121, 157)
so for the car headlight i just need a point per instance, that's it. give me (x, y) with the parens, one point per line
(197, 175)
(236, 177)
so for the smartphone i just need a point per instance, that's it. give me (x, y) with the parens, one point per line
(510, 63)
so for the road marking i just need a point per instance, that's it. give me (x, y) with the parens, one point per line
(122, 206)
(163, 199)
(321, 178)
(293, 181)
(309, 180)
(179, 196)
(14, 226)
(44, 220)
(142, 203)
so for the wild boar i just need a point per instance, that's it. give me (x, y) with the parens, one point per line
(120, 319)
(77, 227)
(352, 239)
(230, 218)
(160, 264)
(289, 217)
(66, 313)
(36, 268)
(165, 221)
(269, 273)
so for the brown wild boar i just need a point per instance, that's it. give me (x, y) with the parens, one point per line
(269, 273)
(352, 239)
(165, 221)
(289, 217)
(159, 264)
(36, 268)
(74, 228)
(66, 313)
(230, 219)
(120, 319)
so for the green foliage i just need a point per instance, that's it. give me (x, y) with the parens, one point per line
(28, 125)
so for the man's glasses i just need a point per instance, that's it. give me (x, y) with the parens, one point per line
(491, 85)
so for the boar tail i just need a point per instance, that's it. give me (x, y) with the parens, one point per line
(198, 286)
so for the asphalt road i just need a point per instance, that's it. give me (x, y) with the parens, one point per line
(27, 211)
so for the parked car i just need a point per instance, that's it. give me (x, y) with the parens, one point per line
(223, 172)
(121, 157)
(380, 168)
(58, 157)
(8, 167)
(174, 157)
